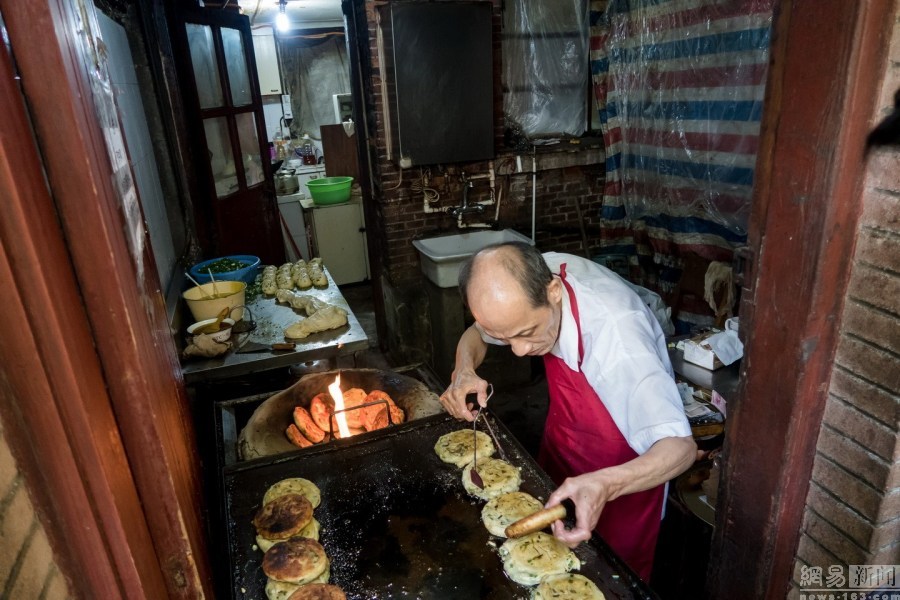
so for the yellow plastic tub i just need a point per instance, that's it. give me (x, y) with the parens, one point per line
(207, 301)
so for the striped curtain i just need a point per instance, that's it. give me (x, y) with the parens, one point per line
(680, 85)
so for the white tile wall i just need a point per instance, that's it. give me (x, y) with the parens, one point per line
(140, 149)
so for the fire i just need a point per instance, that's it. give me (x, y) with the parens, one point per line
(365, 412)
(338, 396)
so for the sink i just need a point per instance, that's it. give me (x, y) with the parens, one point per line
(441, 257)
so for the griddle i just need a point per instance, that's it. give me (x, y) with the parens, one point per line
(396, 521)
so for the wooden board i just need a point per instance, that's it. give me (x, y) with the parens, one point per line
(340, 152)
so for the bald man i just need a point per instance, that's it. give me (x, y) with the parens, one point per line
(616, 430)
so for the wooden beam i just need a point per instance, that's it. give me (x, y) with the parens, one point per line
(64, 79)
(56, 411)
(827, 58)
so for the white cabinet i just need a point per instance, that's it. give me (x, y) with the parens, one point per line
(339, 237)
(266, 61)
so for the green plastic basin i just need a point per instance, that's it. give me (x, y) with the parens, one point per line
(330, 190)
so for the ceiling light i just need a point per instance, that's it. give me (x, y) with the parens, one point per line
(282, 23)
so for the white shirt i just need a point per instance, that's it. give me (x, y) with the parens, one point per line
(625, 356)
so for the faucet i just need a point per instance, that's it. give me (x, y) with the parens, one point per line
(465, 209)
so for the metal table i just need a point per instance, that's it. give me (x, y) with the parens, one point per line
(271, 320)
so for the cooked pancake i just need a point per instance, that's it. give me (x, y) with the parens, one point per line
(283, 517)
(304, 422)
(319, 591)
(528, 559)
(457, 447)
(354, 397)
(297, 560)
(568, 586)
(325, 576)
(321, 407)
(505, 510)
(499, 477)
(311, 531)
(279, 590)
(297, 438)
(294, 485)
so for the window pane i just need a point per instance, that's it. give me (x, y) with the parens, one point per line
(236, 63)
(218, 142)
(246, 126)
(206, 68)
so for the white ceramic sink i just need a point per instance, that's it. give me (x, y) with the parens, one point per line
(441, 257)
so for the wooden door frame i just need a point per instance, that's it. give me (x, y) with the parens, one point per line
(93, 385)
(826, 66)
(127, 467)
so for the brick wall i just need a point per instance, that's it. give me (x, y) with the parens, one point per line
(27, 567)
(853, 507)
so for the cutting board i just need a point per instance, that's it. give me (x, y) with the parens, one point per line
(340, 152)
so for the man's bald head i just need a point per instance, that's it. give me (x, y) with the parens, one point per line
(511, 262)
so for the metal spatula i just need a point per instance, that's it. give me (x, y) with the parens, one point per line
(476, 478)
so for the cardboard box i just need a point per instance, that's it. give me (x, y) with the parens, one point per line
(698, 352)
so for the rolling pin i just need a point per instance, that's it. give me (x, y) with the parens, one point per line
(539, 520)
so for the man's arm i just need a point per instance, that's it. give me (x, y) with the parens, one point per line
(666, 459)
(470, 353)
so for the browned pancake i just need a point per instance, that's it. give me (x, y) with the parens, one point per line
(318, 591)
(298, 560)
(283, 517)
(377, 420)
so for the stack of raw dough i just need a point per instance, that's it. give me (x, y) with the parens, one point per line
(300, 274)
(536, 559)
(294, 561)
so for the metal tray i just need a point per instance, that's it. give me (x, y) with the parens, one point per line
(396, 522)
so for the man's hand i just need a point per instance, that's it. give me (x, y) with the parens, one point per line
(666, 459)
(590, 493)
(465, 382)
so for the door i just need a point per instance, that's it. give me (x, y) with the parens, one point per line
(233, 191)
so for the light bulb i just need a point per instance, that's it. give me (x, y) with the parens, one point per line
(281, 20)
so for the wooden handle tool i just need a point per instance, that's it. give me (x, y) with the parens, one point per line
(537, 521)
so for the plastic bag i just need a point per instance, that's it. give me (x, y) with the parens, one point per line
(545, 67)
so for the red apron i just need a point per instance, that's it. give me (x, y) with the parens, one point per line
(580, 437)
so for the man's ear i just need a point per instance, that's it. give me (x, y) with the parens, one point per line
(554, 290)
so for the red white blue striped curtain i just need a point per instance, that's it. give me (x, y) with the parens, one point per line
(680, 86)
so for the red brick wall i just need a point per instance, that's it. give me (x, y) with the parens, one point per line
(853, 507)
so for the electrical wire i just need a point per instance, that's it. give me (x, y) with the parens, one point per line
(421, 186)
(399, 181)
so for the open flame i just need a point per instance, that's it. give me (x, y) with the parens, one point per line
(338, 396)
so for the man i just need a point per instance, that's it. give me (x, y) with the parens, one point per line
(616, 430)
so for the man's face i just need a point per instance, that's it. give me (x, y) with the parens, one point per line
(507, 315)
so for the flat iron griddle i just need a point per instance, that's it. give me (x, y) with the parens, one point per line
(396, 521)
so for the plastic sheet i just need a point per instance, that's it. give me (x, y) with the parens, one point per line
(314, 70)
(683, 85)
(545, 67)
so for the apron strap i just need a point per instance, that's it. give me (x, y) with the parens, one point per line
(574, 302)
